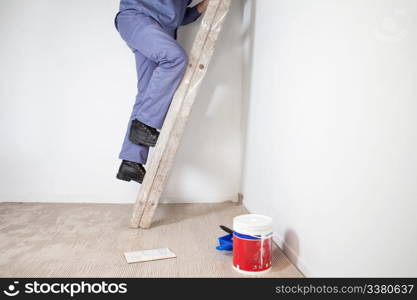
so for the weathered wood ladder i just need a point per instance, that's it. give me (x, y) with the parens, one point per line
(172, 131)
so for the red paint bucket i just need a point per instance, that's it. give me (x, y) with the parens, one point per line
(252, 244)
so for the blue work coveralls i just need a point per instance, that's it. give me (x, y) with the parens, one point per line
(149, 28)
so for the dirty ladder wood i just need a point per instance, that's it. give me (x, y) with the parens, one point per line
(172, 131)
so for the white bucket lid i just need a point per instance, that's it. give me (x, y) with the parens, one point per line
(252, 224)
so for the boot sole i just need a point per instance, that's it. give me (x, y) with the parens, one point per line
(140, 143)
(144, 144)
(136, 140)
(127, 179)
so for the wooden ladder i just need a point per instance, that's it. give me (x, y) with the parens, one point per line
(179, 111)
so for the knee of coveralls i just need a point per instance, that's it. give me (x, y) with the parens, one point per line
(174, 57)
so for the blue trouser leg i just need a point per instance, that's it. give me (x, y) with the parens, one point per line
(131, 151)
(160, 64)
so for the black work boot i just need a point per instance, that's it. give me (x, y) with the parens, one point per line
(142, 134)
(131, 171)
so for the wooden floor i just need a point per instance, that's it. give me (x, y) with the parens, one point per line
(88, 240)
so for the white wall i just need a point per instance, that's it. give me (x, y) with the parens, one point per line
(67, 84)
(331, 131)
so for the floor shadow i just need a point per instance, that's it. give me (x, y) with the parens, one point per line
(174, 213)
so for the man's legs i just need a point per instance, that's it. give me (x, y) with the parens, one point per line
(130, 151)
(147, 37)
(161, 63)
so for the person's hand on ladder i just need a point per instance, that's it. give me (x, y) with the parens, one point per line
(202, 6)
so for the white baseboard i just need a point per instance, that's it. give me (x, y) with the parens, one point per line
(292, 255)
(111, 199)
(201, 199)
(66, 199)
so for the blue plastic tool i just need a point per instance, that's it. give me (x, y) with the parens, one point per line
(225, 243)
